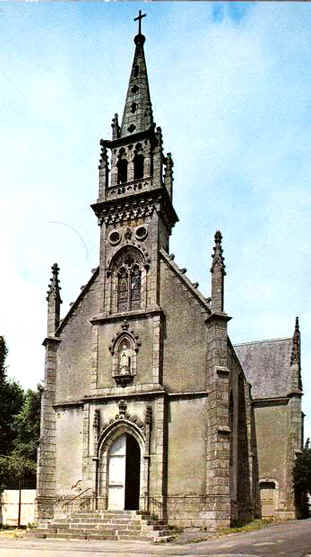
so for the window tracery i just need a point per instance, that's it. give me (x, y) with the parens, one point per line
(128, 266)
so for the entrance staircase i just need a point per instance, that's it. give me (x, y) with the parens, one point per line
(105, 525)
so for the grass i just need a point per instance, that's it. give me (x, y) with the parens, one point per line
(12, 532)
(256, 524)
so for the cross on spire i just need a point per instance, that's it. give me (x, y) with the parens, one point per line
(139, 18)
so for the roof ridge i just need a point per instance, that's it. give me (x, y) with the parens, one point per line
(263, 341)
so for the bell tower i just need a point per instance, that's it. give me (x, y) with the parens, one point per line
(134, 205)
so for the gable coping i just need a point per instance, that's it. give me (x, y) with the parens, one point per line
(187, 282)
(77, 301)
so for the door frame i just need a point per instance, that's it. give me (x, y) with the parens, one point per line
(103, 462)
(275, 494)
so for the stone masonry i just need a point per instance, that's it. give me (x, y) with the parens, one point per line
(147, 405)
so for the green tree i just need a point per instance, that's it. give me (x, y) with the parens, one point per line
(302, 480)
(19, 428)
(27, 431)
(11, 400)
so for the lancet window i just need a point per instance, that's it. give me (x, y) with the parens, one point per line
(122, 171)
(138, 166)
(128, 270)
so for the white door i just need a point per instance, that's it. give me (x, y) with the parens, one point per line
(116, 474)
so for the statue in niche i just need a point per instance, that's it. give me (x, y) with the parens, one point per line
(125, 354)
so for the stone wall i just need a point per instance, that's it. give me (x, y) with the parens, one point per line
(184, 337)
(9, 504)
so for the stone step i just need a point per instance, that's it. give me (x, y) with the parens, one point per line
(100, 525)
(164, 539)
(161, 536)
(94, 534)
(108, 514)
(96, 520)
(105, 525)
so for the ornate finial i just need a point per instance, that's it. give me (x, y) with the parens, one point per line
(116, 130)
(54, 288)
(139, 18)
(217, 256)
(295, 355)
(103, 160)
(159, 137)
(168, 175)
(218, 273)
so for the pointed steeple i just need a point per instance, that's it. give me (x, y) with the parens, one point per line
(218, 273)
(54, 301)
(137, 115)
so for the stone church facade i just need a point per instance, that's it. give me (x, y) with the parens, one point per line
(147, 405)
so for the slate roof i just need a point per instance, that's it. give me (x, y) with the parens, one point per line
(266, 365)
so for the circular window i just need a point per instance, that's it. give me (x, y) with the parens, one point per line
(141, 232)
(114, 237)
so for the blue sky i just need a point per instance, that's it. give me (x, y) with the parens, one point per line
(231, 88)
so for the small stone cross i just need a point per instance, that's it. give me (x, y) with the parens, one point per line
(139, 18)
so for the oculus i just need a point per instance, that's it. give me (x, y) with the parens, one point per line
(114, 237)
(141, 232)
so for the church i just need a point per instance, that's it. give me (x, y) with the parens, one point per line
(147, 405)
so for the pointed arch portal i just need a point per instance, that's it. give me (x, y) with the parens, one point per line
(124, 473)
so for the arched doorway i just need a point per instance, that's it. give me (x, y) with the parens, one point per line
(268, 498)
(124, 473)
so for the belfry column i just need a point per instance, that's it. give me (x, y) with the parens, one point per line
(218, 444)
(46, 468)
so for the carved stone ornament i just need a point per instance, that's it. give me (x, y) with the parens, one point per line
(127, 211)
(123, 415)
(128, 234)
(123, 348)
(121, 256)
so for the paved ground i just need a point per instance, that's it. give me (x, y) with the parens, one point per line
(290, 539)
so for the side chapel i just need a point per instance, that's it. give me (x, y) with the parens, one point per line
(147, 405)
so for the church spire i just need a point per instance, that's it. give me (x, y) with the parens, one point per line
(218, 273)
(137, 115)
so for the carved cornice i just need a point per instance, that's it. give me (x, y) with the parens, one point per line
(129, 210)
(136, 206)
(129, 315)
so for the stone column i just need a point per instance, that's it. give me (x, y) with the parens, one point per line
(218, 432)
(46, 468)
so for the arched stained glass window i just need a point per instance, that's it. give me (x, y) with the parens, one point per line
(128, 265)
(123, 290)
(135, 287)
